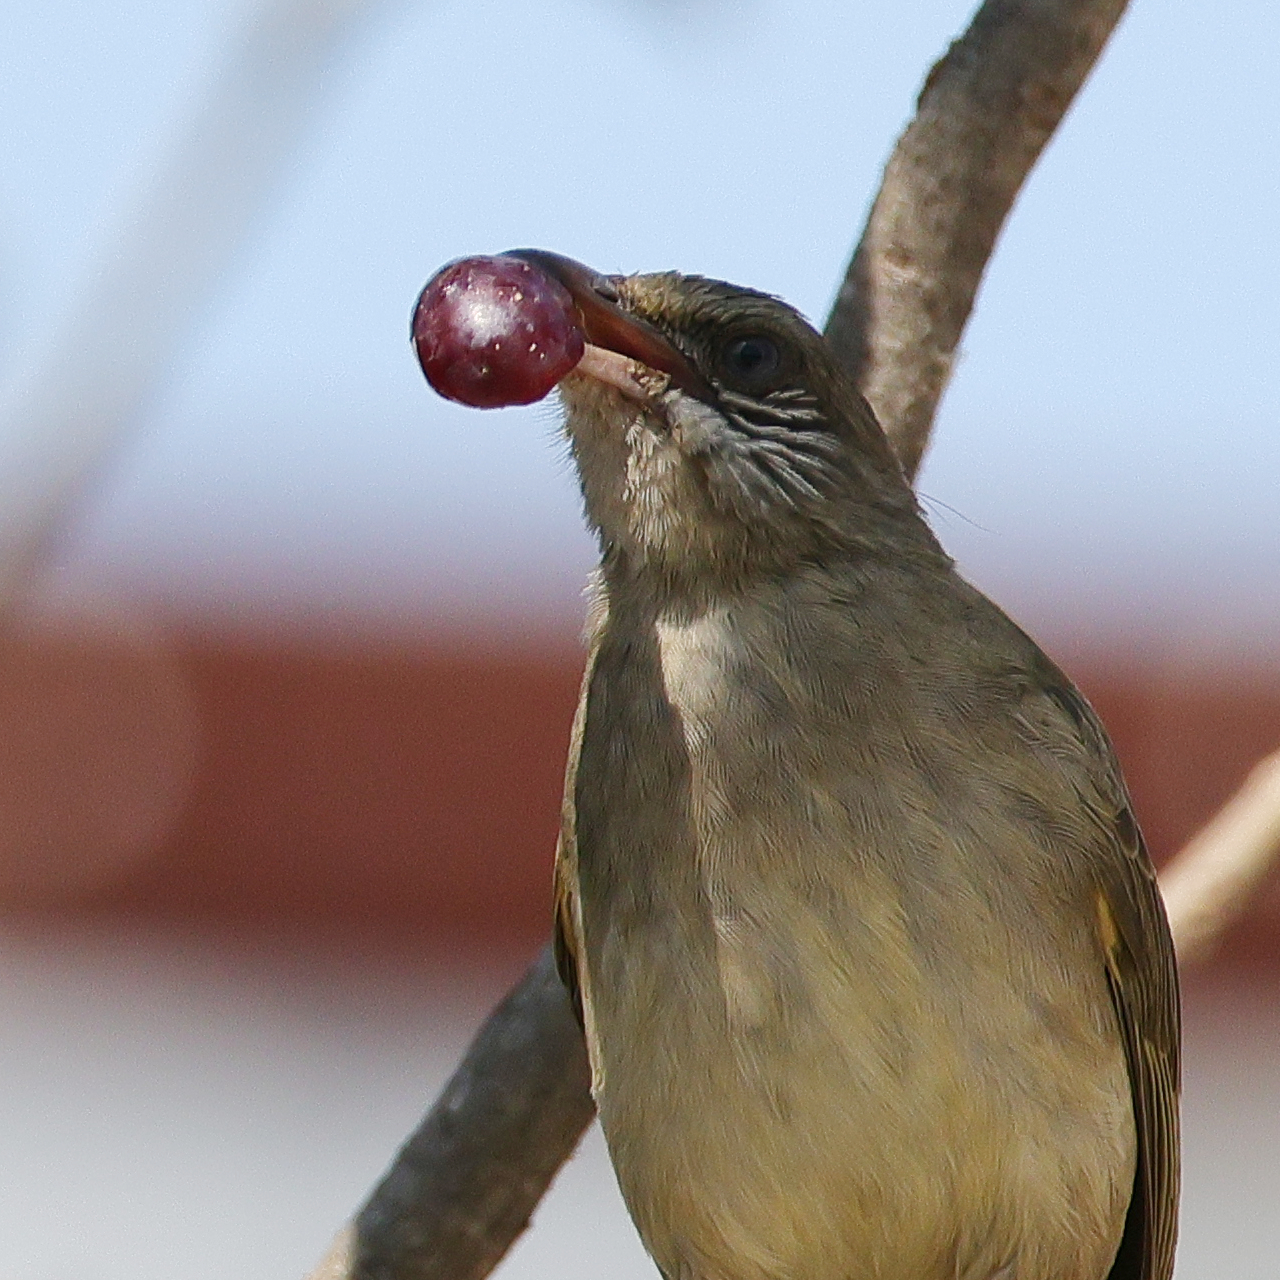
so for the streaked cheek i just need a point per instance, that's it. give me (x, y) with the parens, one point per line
(695, 427)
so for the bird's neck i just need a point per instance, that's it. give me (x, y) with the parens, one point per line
(659, 589)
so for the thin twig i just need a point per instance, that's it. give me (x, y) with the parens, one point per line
(986, 111)
(81, 388)
(1207, 886)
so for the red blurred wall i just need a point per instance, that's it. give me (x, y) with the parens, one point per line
(412, 791)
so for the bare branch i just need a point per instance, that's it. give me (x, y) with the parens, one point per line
(463, 1187)
(984, 115)
(1207, 886)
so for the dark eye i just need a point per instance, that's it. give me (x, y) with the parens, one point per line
(752, 360)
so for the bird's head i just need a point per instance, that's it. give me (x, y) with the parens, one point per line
(715, 436)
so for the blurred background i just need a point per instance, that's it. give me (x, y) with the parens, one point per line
(289, 646)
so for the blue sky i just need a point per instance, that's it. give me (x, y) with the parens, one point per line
(1108, 456)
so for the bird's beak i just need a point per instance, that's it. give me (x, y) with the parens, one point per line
(615, 338)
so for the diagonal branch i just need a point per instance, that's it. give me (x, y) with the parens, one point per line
(508, 1119)
(1209, 884)
(984, 115)
(466, 1183)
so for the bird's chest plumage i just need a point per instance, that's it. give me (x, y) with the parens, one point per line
(815, 1032)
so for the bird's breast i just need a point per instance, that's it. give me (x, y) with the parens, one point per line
(820, 1040)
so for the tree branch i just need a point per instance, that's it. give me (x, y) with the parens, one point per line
(984, 115)
(1207, 886)
(466, 1183)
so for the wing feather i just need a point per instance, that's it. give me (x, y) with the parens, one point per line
(1142, 976)
(568, 919)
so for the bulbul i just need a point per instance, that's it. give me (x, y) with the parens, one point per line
(874, 973)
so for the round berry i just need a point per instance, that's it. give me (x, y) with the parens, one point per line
(495, 331)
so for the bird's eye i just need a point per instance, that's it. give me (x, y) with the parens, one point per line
(751, 360)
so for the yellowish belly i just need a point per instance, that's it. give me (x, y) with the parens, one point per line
(799, 1110)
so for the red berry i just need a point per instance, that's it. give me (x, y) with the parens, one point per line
(495, 331)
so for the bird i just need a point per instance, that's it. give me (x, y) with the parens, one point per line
(873, 969)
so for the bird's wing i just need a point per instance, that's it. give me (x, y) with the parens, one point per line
(566, 932)
(564, 937)
(1142, 976)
